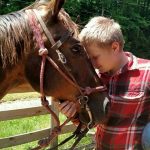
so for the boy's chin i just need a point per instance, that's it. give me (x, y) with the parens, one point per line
(102, 70)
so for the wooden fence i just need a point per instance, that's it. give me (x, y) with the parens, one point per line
(24, 109)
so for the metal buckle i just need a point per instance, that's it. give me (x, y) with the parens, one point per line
(61, 57)
(57, 45)
(83, 101)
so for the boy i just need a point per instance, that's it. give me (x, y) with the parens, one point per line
(127, 78)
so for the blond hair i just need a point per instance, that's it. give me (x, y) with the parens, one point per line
(102, 31)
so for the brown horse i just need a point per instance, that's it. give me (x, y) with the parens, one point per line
(20, 61)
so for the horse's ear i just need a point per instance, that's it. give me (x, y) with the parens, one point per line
(57, 7)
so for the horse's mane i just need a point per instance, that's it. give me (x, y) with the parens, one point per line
(15, 32)
(14, 29)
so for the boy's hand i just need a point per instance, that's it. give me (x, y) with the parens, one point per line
(68, 108)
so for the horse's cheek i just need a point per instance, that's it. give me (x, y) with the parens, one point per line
(32, 71)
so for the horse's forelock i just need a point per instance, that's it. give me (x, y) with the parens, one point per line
(67, 21)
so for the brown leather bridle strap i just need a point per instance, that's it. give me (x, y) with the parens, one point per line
(56, 45)
(47, 33)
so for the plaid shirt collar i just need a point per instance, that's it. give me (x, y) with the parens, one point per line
(131, 65)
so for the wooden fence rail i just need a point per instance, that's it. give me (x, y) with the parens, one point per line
(22, 109)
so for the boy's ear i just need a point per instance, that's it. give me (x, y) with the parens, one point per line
(115, 47)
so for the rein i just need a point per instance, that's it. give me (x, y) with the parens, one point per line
(43, 52)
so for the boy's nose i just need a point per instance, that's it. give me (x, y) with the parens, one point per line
(94, 64)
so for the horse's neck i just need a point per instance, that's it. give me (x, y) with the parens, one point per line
(15, 53)
(11, 78)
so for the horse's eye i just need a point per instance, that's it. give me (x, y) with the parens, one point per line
(77, 48)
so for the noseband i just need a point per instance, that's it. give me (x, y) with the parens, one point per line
(43, 52)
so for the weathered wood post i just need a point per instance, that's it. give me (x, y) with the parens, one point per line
(53, 124)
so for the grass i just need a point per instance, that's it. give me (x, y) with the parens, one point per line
(25, 125)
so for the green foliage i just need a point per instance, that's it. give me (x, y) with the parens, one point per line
(7, 6)
(133, 15)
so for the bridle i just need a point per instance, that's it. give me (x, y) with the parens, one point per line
(43, 52)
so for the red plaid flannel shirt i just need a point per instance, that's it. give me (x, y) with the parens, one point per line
(129, 108)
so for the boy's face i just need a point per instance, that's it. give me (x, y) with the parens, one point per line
(104, 59)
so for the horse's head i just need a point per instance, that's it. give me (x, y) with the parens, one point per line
(72, 71)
